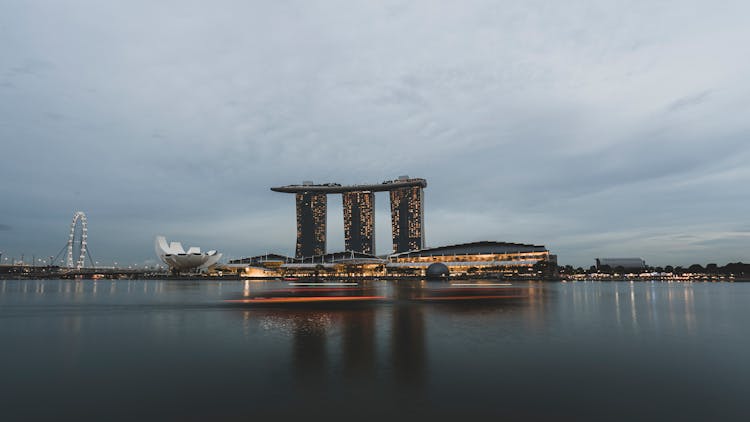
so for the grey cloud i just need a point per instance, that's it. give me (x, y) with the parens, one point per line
(689, 101)
(531, 121)
(723, 240)
(54, 116)
(32, 67)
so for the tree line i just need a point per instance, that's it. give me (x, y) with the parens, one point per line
(732, 268)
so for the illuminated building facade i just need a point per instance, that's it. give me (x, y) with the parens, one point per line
(311, 224)
(407, 214)
(337, 264)
(484, 257)
(407, 218)
(359, 221)
(475, 259)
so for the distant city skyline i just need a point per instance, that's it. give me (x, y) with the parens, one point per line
(597, 129)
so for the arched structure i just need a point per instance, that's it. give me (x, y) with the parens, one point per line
(79, 216)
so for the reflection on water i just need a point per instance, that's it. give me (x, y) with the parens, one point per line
(658, 306)
(309, 351)
(408, 350)
(358, 345)
(582, 350)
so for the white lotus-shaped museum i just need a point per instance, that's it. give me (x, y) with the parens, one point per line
(178, 260)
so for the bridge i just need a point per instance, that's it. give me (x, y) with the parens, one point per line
(46, 272)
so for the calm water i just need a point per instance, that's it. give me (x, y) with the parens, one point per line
(174, 350)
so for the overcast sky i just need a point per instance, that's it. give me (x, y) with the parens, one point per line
(596, 128)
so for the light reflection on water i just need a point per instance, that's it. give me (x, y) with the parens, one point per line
(578, 350)
(656, 306)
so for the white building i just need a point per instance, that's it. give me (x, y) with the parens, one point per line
(179, 260)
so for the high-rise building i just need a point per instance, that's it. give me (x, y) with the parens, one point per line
(359, 221)
(407, 218)
(311, 224)
(407, 214)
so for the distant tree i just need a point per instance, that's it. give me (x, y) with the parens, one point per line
(695, 268)
(736, 268)
(669, 269)
(580, 270)
(605, 268)
(712, 268)
(678, 270)
(619, 269)
(659, 269)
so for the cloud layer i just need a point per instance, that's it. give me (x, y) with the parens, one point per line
(595, 128)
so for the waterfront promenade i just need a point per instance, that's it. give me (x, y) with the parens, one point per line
(39, 273)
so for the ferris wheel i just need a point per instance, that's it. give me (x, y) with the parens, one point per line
(79, 216)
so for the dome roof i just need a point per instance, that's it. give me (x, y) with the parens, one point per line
(437, 270)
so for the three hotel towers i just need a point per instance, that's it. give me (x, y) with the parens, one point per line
(407, 215)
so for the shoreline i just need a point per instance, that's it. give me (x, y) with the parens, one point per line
(234, 277)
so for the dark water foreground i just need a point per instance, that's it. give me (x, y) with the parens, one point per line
(174, 350)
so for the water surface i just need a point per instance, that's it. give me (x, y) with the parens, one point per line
(136, 349)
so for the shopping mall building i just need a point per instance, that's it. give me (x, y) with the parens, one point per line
(483, 258)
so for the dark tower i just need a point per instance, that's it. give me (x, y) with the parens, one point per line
(359, 221)
(407, 218)
(311, 224)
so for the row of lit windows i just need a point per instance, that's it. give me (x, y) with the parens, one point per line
(361, 206)
(413, 208)
(311, 204)
(361, 203)
(476, 258)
